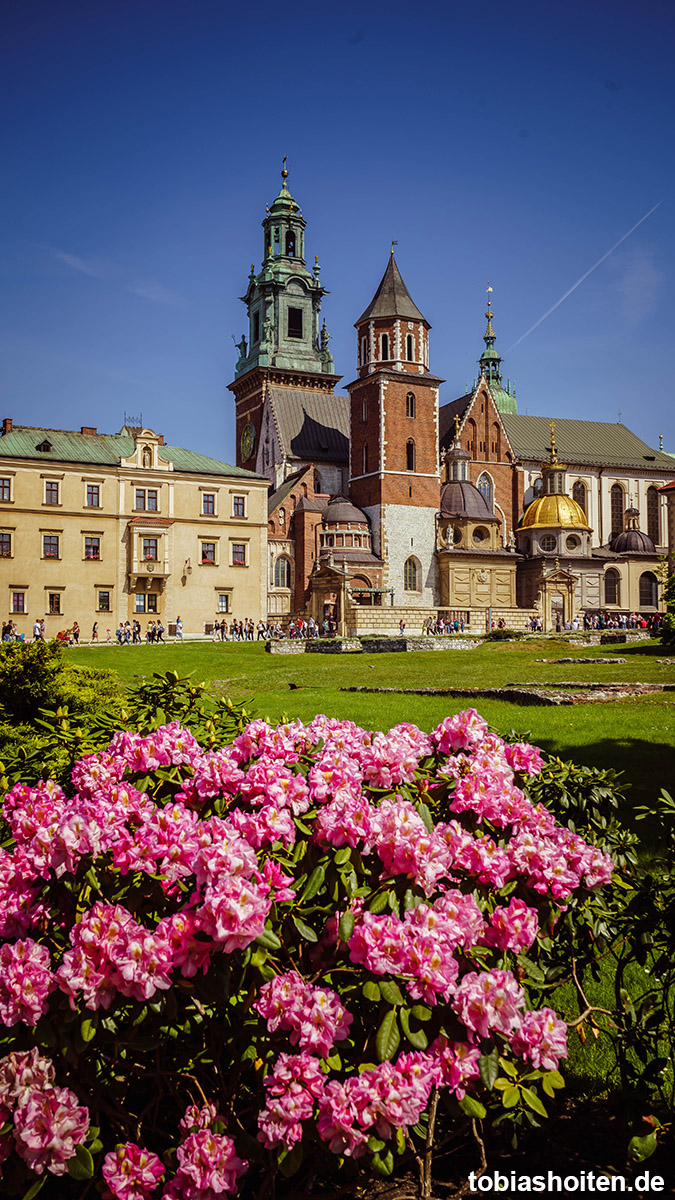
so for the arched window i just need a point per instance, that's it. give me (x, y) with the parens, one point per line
(317, 484)
(364, 410)
(612, 587)
(486, 489)
(270, 528)
(538, 487)
(496, 442)
(648, 590)
(410, 404)
(410, 455)
(282, 573)
(364, 351)
(410, 351)
(653, 514)
(385, 347)
(617, 507)
(471, 447)
(579, 494)
(290, 244)
(411, 575)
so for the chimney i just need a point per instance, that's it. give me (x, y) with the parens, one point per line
(89, 430)
(160, 439)
(7, 425)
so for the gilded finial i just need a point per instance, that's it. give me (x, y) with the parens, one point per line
(554, 455)
(392, 246)
(457, 424)
(284, 172)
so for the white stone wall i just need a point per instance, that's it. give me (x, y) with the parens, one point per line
(410, 531)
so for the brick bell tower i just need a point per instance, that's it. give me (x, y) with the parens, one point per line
(285, 347)
(394, 463)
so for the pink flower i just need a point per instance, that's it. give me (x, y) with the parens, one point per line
(48, 1128)
(26, 980)
(487, 1000)
(292, 1087)
(513, 928)
(22, 1072)
(198, 1117)
(315, 1017)
(524, 758)
(132, 1173)
(465, 731)
(208, 1168)
(541, 1038)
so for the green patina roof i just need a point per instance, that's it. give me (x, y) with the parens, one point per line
(596, 443)
(104, 449)
(506, 403)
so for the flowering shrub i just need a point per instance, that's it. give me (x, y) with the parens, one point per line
(221, 962)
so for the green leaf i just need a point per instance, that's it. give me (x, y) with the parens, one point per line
(290, 1163)
(35, 1188)
(417, 1038)
(346, 926)
(88, 1027)
(640, 1148)
(488, 1067)
(555, 1079)
(391, 992)
(81, 1165)
(532, 1100)
(341, 856)
(421, 1012)
(314, 883)
(379, 904)
(508, 1067)
(423, 811)
(305, 930)
(472, 1107)
(375, 1144)
(510, 1096)
(371, 990)
(383, 1166)
(388, 1037)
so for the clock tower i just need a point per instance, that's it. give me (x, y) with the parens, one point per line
(285, 350)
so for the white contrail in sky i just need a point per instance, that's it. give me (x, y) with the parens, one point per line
(583, 277)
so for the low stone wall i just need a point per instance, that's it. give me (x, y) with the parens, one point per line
(333, 646)
(392, 645)
(285, 646)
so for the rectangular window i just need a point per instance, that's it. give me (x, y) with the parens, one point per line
(209, 553)
(385, 347)
(151, 600)
(295, 322)
(238, 554)
(5, 545)
(150, 549)
(104, 602)
(238, 506)
(51, 492)
(54, 603)
(256, 327)
(223, 603)
(364, 351)
(5, 490)
(139, 605)
(209, 504)
(50, 546)
(93, 495)
(92, 547)
(139, 499)
(152, 499)
(365, 460)
(18, 602)
(364, 411)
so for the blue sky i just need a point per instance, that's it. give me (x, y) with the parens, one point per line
(513, 143)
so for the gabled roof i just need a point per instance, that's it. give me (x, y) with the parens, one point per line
(597, 443)
(313, 426)
(104, 449)
(392, 298)
(276, 498)
(446, 417)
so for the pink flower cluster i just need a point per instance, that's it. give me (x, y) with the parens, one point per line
(292, 1087)
(315, 1017)
(49, 1122)
(131, 1172)
(208, 1168)
(26, 980)
(112, 953)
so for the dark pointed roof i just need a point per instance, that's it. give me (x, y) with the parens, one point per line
(392, 298)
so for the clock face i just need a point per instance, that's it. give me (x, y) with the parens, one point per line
(247, 441)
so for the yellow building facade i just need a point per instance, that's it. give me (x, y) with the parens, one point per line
(110, 528)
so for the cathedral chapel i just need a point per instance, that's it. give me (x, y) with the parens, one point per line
(388, 504)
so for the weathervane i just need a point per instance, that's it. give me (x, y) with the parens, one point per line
(392, 246)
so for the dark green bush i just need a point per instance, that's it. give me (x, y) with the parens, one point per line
(504, 635)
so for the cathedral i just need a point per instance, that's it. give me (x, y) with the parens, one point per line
(391, 505)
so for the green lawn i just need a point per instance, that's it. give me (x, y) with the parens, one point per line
(635, 736)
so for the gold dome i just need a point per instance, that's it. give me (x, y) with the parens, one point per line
(551, 512)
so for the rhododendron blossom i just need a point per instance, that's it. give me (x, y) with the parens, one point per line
(269, 931)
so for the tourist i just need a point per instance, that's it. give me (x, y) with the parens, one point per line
(76, 633)
(94, 632)
(179, 630)
(401, 628)
(159, 632)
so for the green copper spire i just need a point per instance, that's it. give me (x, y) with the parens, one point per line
(491, 366)
(284, 299)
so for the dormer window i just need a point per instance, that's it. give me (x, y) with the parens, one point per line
(44, 447)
